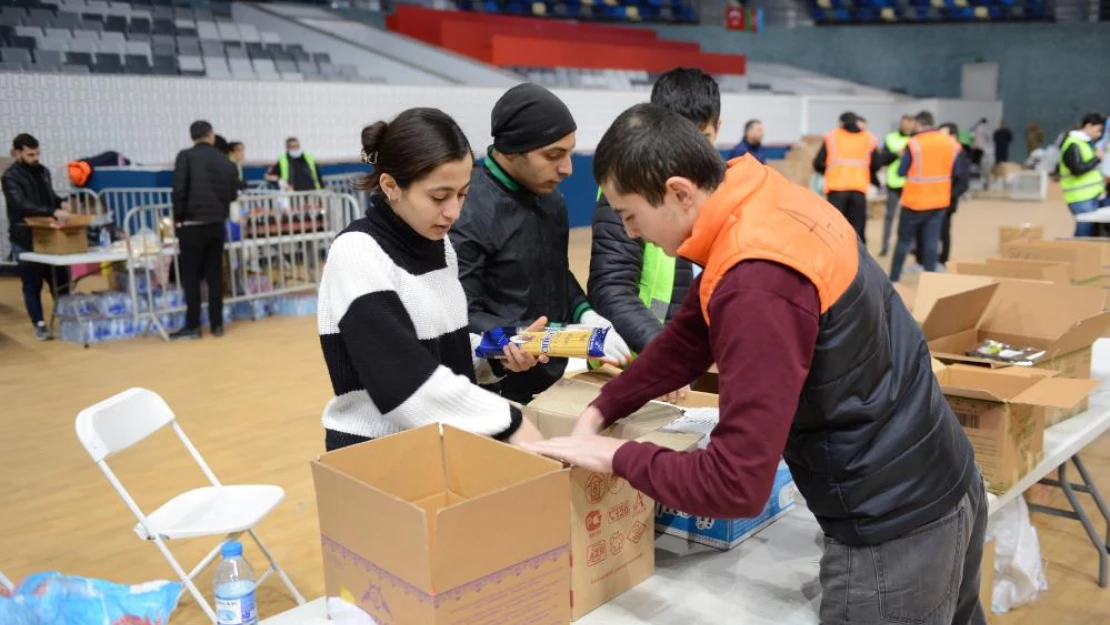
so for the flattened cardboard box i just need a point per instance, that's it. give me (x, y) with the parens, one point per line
(1004, 414)
(1042, 271)
(1086, 260)
(612, 541)
(1064, 320)
(1007, 234)
(449, 528)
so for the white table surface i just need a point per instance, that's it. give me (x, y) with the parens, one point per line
(86, 258)
(1100, 216)
(771, 578)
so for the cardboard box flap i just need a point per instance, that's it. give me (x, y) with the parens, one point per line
(1040, 310)
(556, 410)
(418, 481)
(1052, 269)
(956, 312)
(933, 286)
(466, 532)
(1057, 393)
(1082, 334)
(1059, 273)
(671, 440)
(385, 529)
(476, 465)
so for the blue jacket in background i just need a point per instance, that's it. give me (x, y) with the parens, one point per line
(744, 147)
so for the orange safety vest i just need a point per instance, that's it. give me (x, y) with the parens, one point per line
(757, 214)
(848, 160)
(929, 181)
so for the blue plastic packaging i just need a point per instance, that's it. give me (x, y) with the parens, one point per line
(572, 342)
(55, 599)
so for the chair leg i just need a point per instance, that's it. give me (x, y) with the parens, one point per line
(185, 579)
(277, 568)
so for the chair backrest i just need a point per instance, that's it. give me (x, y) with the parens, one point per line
(121, 421)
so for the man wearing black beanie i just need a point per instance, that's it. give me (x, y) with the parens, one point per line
(511, 238)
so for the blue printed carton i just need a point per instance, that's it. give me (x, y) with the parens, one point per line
(725, 534)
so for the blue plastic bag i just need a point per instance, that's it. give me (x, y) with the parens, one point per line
(569, 342)
(55, 599)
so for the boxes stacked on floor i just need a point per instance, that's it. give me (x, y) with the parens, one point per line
(1085, 259)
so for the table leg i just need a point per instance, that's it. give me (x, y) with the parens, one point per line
(54, 298)
(1079, 514)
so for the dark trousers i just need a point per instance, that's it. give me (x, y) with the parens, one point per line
(33, 276)
(202, 252)
(853, 205)
(338, 440)
(924, 227)
(946, 235)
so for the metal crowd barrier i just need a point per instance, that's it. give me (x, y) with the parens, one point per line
(276, 246)
(344, 184)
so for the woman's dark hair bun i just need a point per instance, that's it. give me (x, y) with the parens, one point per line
(411, 146)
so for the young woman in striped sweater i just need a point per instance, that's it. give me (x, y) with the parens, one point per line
(392, 314)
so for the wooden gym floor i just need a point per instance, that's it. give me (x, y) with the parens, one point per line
(251, 403)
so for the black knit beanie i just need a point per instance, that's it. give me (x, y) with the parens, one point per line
(529, 117)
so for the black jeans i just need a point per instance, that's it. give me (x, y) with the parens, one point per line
(946, 235)
(202, 252)
(853, 205)
(33, 276)
(923, 227)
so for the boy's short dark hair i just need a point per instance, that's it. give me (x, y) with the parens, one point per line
(199, 130)
(649, 143)
(24, 140)
(925, 118)
(691, 93)
(951, 127)
(1098, 119)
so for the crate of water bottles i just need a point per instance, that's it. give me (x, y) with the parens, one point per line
(295, 305)
(95, 317)
(252, 309)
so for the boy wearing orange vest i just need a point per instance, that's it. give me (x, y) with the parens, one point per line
(849, 158)
(935, 175)
(819, 363)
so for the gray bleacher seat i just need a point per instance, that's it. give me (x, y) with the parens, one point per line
(321, 57)
(292, 77)
(91, 25)
(108, 63)
(184, 13)
(236, 53)
(166, 65)
(268, 37)
(142, 14)
(229, 31)
(96, 6)
(265, 69)
(12, 15)
(286, 67)
(78, 58)
(212, 48)
(306, 67)
(144, 37)
(350, 72)
(118, 8)
(163, 12)
(249, 33)
(58, 33)
(207, 30)
(67, 20)
(20, 56)
(162, 40)
(88, 46)
(6, 66)
(27, 43)
(191, 65)
(203, 14)
(140, 48)
(136, 64)
(330, 72)
(39, 17)
(86, 33)
(59, 44)
(47, 60)
(184, 22)
(216, 67)
(241, 68)
(29, 31)
(75, 69)
(163, 27)
(53, 3)
(163, 48)
(111, 43)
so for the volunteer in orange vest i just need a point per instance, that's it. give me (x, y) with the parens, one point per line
(819, 363)
(849, 158)
(934, 176)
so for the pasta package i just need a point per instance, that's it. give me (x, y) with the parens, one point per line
(572, 342)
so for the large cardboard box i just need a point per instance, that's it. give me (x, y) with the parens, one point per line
(1043, 271)
(445, 528)
(50, 237)
(1085, 259)
(612, 543)
(1004, 413)
(727, 533)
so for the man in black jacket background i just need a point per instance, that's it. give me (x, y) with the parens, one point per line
(512, 236)
(205, 182)
(29, 192)
(634, 284)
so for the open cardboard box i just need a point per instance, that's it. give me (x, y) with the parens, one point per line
(1004, 413)
(612, 541)
(1085, 259)
(444, 527)
(49, 236)
(1043, 271)
(1030, 232)
(694, 399)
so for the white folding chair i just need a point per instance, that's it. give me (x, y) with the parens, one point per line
(121, 421)
(6, 583)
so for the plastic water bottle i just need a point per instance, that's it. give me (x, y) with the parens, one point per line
(105, 238)
(235, 604)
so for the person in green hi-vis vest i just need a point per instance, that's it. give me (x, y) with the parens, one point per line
(1080, 177)
(632, 283)
(295, 169)
(893, 145)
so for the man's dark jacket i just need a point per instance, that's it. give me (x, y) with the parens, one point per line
(205, 183)
(28, 192)
(616, 262)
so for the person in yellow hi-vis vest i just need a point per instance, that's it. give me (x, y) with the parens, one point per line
(295, 170)
(1080, 178)
(632, 283)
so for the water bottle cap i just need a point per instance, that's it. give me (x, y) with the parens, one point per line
(232, 549)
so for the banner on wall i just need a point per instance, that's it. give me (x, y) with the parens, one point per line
(744, 18)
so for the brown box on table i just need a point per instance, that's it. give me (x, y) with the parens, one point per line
(51, 237)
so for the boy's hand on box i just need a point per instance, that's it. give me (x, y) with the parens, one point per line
(678, 396)
(594, 453)
(518, 361)
(525, 434)
(589, 423)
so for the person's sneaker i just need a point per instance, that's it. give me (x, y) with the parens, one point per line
(43, 333)
(941, 268)
(185, 333)
(913, 269)
(218, 332)
(883, 252)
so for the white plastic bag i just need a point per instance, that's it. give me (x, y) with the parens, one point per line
(1019, 575)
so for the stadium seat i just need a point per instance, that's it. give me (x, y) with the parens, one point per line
(20, 56)
(107, 63)
(166, 65)
(136, 64)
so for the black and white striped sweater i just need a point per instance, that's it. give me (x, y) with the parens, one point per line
(392, 319)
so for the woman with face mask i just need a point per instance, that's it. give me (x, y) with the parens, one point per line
(392, 313)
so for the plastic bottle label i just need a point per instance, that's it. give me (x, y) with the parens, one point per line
(241, 611)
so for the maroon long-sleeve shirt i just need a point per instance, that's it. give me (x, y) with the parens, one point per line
(763, 331)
